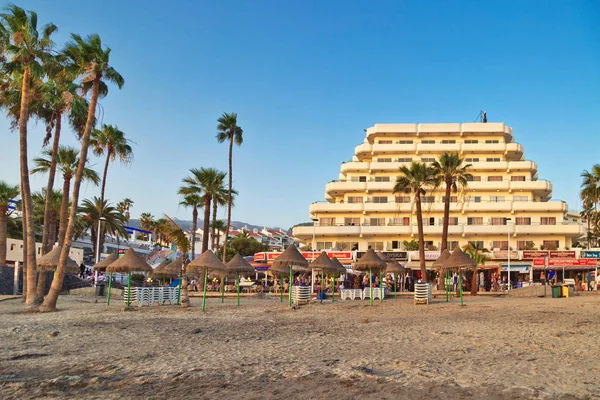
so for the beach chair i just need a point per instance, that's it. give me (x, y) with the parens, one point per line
(422, 293)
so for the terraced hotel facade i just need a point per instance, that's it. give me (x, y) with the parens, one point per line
(361, 210)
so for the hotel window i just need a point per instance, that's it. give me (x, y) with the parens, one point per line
(355, 199)
(517, 178)
(494, 178)
(497, 199)
(493, 159)
(377, 221)
(523, 221)
(475, 221)
(452, 244)
(362, 178)
(551, 244)
(344, 246)
(478, 244)
(471, 160)
(471, 141)
(525, 245)
(377, 246)
(428, 199)
(448, 141)
(500, 244)
(395, 244)
(497, 221)
(384, 142)
(379, 199)
(326, 221)
(352, 221)
(384, 160)
(400, 221)
(548, 221)
(451, 221)
(429, 221)
(474, 178)
(476, 199)
(520, 198)
(491, 141)
(405, 142)
(382, 179)
(427, 159)
(405, 160)
(427, 141)
(324, 246)
(453, 199)
(402, 199)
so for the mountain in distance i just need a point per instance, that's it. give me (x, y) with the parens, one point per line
(187, 225)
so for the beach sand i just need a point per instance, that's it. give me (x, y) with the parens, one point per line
(491, 348)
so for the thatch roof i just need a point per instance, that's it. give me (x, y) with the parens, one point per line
(291, 257)
(383, 257)
(129, 262)
(339, 266)
(440, 262)
(238, 265)
(368, 261)
(322, 262)
(206, 260)
(458, 259)
(167, 269)
(394, 267)
(49, 262)
(102, 264)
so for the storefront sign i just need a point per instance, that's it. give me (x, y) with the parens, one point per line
(581, 262)
(563, 254)
(394, 255)
(522, 268)
(590, 254)
(429, 255)
(503, 255)
(309, 255)
(260, 257)
(531, 254)
(261, 268)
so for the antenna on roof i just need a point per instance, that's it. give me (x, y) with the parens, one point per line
(482, 117)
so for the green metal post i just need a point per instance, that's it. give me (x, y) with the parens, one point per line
(128, 287)
(204, 294)
(237, 284)
(322, 286)
(222, 290)
(291, 285)
(460, 284)
(371, 287)
(109, 286)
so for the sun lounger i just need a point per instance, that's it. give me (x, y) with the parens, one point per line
(422, 293)
(150, 295)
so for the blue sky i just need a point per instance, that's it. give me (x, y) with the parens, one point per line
(306, 77)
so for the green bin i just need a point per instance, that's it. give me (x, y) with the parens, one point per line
(555, 291)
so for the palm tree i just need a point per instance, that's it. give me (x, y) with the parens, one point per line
(67, 161)
(194, 201)
(40, 200)
(415, 179)
(449, 170)
(228, 129)
(147, 221)
(7, 194)
(110, 141)
(27, 49)
(590, 195)
(204, 182)
(87, 220)
(218, 226)
(476, 252)
(92, 63)
(124, 206)
(176, 235)
(220, 198)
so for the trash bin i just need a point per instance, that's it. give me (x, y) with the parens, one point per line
(571, 290)
(555, 292)
(564, 291)
(100, 290)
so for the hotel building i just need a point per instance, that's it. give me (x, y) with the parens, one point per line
(361, 211)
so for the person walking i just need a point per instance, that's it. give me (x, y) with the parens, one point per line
(82, 271)
(590, 278)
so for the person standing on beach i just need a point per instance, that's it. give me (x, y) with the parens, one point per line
(82, 271)
(590, 278)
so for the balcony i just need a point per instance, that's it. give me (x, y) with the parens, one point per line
(522, 166)
(488, 166)
(437, 147)
(380, 186)
(305, 232)
(362, 150)
(386, 230)
(487, 186)
(540, 206)
(394, 148)
(544, 187)
(388, 207)
(385, 166)
(439, 128)
(487, 230)
(338, 188)
(488, 206)
(354, 167)
(558, 229)
(320, 208)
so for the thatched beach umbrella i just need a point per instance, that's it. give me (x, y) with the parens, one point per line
(340, 269)
(207, 262)
(394, 267)
(101, 265)
(130, 262)
(167, 269)
(49, 262)
(324, 264)
(369, 262)
(440, 265)
(236, 266)
(290, 260)
(387, 261)
(459, 260)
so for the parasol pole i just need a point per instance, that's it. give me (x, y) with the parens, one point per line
(460, 285)
(291, 285)
(222, 289)
(371, 286)
(332, 286)
(128, 288)
(204, 294)
(381, 291)
(395, 287)
(109, 286)
(322, 287)
(446, 285)
(237, 284)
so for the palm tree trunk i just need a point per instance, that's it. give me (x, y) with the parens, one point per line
(64, 211)
(3, 222)
(421, 238)
(446, 221)
(104, 182)
(228, 197)
(59, 275)
(194, 227)
(205, 229)
(24, 263)
(46, 243)
(474, 287)
(214, 231)
(185, 299)
(26, 191)
(52, 232)
(41, 287)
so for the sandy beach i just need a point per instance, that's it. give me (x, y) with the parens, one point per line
(492, 348)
